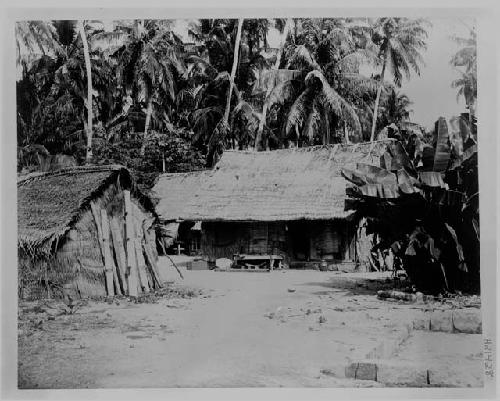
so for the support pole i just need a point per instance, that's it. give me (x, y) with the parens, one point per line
(132, 274)
(108, 260)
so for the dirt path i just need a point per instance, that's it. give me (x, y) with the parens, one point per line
(242, 329)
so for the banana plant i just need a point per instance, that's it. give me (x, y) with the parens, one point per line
(430, 211)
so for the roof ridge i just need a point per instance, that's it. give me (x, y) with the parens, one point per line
(185, 172)
(314, 147)
(70, 170)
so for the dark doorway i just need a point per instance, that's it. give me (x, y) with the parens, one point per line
(298, 234)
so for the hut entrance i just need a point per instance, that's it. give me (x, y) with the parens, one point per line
(188, 239)
(314, 241)
(299, 240)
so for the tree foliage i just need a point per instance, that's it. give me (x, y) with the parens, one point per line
(146, 81)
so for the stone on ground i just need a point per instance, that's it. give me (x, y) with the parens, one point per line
(401, 374)
(467, 321)
(441, 321)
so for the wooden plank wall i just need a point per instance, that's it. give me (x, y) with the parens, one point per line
(327, 239)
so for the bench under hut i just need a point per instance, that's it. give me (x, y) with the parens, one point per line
(85, 232)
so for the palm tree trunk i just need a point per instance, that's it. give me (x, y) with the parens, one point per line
(233, 71)
(149, 112)
(326, 139)
(346, 134)
(377, 99)
(86, 55)
(265, 107)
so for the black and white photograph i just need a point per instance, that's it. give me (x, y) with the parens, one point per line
(245, 202)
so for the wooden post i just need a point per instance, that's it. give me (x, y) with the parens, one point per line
(106, 226)
(103, 240)
(150, 260)
(97, 219)
(108, 260)
(121, 257)
(141, 266)
(132, 276)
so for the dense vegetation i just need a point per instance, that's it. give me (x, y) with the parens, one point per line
(138, 95)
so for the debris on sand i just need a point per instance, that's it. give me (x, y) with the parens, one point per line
(291, 289)
(277, 314)
(398, 295)
(322, 319)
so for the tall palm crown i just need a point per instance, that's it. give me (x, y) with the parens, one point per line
(400, 41)
(329, 53)
(465, 61)
(467, 55)
(396, 108)
(35, 39)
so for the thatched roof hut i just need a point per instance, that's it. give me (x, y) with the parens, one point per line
(266, 202)
(69, 219)
(278, 185)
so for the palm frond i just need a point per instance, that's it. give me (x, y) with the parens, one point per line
(299, 110)
(281, 93)
(301, 58)
(311, 125)
(106, 40)
(271, 78)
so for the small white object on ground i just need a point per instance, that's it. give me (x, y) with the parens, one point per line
(223, 263)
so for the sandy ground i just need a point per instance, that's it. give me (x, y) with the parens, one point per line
(217, 329)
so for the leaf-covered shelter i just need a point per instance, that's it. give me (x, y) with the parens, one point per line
(290, 202)
(86, 231)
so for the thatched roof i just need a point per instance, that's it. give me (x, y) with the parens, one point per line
(49, 203)
(279, 185)
(173, 189)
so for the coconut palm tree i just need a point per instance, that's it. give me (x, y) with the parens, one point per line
(233, 70)
(329, 54)
(396, 108)
(467, 55)
(275, 76)
(88, 70)
(148, 65)
(222, 128)
(465, 61)
(467, 87)
(400, 41)
(35, 39)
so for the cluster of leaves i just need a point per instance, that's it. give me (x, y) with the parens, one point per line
(425, 208)
(169, 151)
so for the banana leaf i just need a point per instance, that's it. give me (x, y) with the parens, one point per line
(461, 260)
(431, 179)
(375, 175)
(353, 176)
(406, 182)
(464, 127)
(428, 153)
(442, 154)
(383, 191)
(400, 158)
(386, 160)
(468, 153)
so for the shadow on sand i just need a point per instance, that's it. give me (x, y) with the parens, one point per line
(351, 286)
